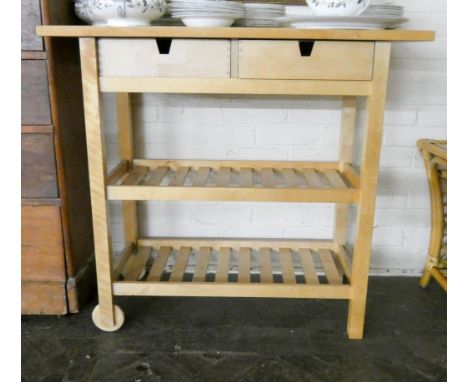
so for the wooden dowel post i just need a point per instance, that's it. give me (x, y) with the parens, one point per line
(126, 151)
(348, 128)
(97, 178)
(368, 187)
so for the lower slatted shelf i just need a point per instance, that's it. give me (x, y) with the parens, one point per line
(233, 268)
(233, 180)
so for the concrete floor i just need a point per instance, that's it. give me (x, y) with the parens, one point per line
(274, 340)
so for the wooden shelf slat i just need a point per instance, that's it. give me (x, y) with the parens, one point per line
(246, 177)
(329, 266)
(180, 264)
(126, 252)
(268, 178)
(179, 176)
(159, 264)
(156, 177)
(312, 178)
(203, 257)
(135, 176)
(289, 176)
(310, 274)
(287, 268)
(165, 180)
(266, 271)
(223, 176)
(134, 268)
(207, 250)
(222, 268)
(344, 262)
(335, 179)
(244, 265)
(202, 176)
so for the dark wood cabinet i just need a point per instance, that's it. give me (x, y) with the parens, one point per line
(30, 17)
(57, 261)
(38, 171)
(35, 100)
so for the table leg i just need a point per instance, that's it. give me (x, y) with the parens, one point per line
(106, 316)
(368, 185)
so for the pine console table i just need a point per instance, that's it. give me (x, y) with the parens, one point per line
(280, 61)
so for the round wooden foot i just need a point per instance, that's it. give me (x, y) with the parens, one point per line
(119, 319)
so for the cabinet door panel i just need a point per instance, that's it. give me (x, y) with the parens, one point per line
(38, 173)
(35, 103)
(30, 17)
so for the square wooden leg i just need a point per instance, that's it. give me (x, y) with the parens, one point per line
(105, 316)
(369, 175)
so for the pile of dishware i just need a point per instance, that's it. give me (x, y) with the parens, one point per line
(120, 12)
(260, 15)
(383, 8)
(206, 13)
(167, 21)
(344, 14)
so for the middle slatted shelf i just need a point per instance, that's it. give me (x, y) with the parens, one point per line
(260, 269)
(260, 181)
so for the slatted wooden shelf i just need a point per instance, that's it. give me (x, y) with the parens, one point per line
(235, 268)
(233, 180)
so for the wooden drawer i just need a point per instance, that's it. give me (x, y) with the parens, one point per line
(35, 104)
(42, 257)
(38, 172)
(30, 17)
(164, 58)
(313, 60)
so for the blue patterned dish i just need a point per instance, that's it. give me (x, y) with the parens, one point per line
(338, 7)
(120, 12)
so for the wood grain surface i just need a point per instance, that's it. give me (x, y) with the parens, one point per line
(248, 33)
(42, 257)
(35, 104)
(38, 173)
(30, 17)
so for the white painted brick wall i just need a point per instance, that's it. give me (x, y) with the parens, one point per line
(301, 128)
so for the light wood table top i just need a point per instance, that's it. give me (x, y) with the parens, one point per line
(236, 33)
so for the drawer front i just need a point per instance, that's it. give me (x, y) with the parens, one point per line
(318, 60)
(164, 58)
(35, 104)
(38, 172)
(42, 257)
(30, 17)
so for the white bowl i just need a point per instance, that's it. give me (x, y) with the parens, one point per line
(83, 12)
(120, 12)
(207, 22)
(338, 7)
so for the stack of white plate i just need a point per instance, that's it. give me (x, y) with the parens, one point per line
(260, 15)
(206, 13)
(298, 10)
(167, 21)
(381, 14)
(384, 10)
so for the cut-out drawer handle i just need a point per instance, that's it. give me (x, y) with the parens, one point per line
(164, 45)
(306, 47)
